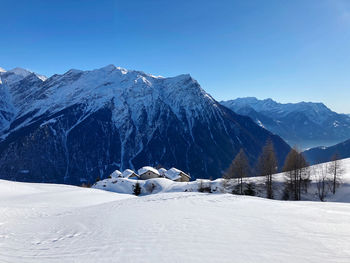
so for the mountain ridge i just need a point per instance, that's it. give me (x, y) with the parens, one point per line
(306, 124)
(80, 125)
(325, 154)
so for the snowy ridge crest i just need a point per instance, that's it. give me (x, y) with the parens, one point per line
(131, 91)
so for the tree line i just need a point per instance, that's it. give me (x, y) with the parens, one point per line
(297, 171)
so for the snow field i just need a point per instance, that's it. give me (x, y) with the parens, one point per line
(59, 223)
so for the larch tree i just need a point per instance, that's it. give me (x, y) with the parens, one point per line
(336, 170)
(267, 166)
(297, 172)
(321, 175)
(239, 169)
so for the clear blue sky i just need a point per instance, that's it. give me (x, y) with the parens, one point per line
(287, 50)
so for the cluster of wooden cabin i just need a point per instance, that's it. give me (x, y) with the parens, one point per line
(148, 172)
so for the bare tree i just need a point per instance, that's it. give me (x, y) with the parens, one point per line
(336, 170)
(239, 169)
(267, 166)
(296, 169)
(204, 186)
(225, 183)
(159, 166)
(321, 175)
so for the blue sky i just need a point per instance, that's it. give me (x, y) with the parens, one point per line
(288, 50)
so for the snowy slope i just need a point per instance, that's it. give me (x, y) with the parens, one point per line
(162, 185)
(58, 223)
(18, 89)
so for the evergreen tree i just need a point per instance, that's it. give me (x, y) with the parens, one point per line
(137, 189)
(250, 189)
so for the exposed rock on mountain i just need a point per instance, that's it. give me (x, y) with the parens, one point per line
(304, 124)
(75, 127)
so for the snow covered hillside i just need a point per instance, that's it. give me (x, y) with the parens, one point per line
(162, 185)
(59, 223)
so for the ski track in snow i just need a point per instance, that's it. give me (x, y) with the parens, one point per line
(58, 223)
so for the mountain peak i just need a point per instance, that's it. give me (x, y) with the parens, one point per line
(109, 67)
(21, 72)
(269, 100)
(182, 78)
(73, 71)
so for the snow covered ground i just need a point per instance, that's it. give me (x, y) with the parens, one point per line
(162, 185)
(59, 223)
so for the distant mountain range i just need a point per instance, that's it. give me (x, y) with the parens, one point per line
(75, 127)
(304, 124)
(324, 154)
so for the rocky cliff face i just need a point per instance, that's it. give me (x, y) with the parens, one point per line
(75, 127)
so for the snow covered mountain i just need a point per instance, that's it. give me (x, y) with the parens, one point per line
(324, 154)
(305, 124)
(78, 126)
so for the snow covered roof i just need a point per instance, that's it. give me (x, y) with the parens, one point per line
(128, 172)
(162, 171)
(174, 174)
(116, 174)
(146, 169)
